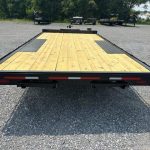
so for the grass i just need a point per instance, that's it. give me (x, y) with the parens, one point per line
(62, 21)
(29, 20)
(144, 22)
(17, 20)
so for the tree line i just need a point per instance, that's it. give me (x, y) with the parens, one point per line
(64, 9)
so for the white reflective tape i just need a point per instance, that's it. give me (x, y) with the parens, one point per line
(74, 78)
(115, 78)
(32, 78)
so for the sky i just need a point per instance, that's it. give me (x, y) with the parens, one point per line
(141, 7)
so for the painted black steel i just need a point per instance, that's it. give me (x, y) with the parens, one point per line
(109, 48)
(70, 31)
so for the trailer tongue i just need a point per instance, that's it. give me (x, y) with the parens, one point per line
(56, 55)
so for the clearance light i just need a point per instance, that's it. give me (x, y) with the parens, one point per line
(74, 78)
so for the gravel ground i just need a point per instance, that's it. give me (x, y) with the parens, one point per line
(75, 116)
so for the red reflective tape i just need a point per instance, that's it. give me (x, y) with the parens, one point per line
(58, 78)
(14, 78)
(131, 78)
(4, 81)
(90, 78)
(141, 82)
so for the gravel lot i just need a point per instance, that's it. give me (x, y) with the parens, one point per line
(75, 116)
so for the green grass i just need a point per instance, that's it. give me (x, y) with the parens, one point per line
(144, 22)
(62, 21)
(29, 20)
(17, 20)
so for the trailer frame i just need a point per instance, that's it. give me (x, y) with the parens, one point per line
(41, 78)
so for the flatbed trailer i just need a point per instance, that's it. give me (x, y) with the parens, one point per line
(111, 22)
(62, 55)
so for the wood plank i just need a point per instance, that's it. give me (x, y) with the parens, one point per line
(110, 62)
(51, 62)
(136, 65)
(90, 56)
(43, 57)
(62, 63)
(100, 65)
(128, 67)
(43, 36)
(10, 60)
(73, 64)
(114, 63)
(29, 59)
(14, 64)
(82, 59)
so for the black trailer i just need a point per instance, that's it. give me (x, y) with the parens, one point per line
(76, 20)
(91, 21)
(113, 19)
(62, 55)
(111, 22)
(40, 17)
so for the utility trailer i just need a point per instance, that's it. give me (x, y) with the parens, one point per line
(111, 22)
(76, 20)
(113, 19)
(90, 21)
(62, 55)
(40, 17)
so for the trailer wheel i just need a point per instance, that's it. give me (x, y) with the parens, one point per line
(123, 87)
(23, 87)
(110, 24)
(120, 23)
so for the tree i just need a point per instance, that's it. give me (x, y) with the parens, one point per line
(61, 9)
(4, 11)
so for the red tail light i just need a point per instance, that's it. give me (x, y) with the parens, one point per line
(14, 78)
(131, 78)
(4, 81)
(90, 78)
(58, 78)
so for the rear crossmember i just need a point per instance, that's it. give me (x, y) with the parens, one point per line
(115, 79)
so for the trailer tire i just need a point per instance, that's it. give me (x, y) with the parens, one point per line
(110, 24)
(120, 23)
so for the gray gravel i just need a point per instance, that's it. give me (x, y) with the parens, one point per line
(75, 116)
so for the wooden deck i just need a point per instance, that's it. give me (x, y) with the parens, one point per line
(71, 52)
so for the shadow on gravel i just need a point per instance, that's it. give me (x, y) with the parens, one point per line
(77, 109)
